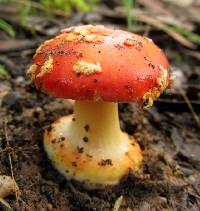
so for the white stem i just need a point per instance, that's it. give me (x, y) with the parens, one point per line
(96, 126)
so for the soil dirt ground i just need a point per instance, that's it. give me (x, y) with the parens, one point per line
(167, 133)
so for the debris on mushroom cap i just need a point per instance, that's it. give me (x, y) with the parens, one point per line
(155, 92)
(32, 71)
(46, 67)
(105, 162)
(86, 67)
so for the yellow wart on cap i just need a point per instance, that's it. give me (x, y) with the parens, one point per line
(32, 71)
(82, 37)
(80, 29)
(46, 67)
(48, 41)
(38, 49)
(70, 37)
(84, 30)
(148, 39)
(67, 30)
(82, 33)
(89, 38)
(130, 41)
(87, 68)
(162, 80)
(155, 92)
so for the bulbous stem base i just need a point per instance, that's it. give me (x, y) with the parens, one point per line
(90, 147)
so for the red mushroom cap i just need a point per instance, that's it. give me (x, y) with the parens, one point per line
(98, 63)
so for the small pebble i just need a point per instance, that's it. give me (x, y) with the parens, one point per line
(49, 207)
(19, 80)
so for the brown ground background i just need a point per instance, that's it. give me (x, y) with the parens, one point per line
(168, 133)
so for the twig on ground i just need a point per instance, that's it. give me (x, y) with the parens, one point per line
(10, 162)
(7, 149)
(18, 45)
(195, 116)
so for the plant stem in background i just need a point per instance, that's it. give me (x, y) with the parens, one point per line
(129, 4)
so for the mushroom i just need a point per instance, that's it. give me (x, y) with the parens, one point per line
(97, 67)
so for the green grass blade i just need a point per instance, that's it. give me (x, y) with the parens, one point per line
(4, 73)
(128, 4)
(190, 35)
(7, 28)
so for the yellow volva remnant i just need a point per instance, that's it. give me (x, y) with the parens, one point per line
(86, 67)
(31, 71)
(46, 67)
(155, 92)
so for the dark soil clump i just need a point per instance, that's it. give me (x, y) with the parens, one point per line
(169, 178)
